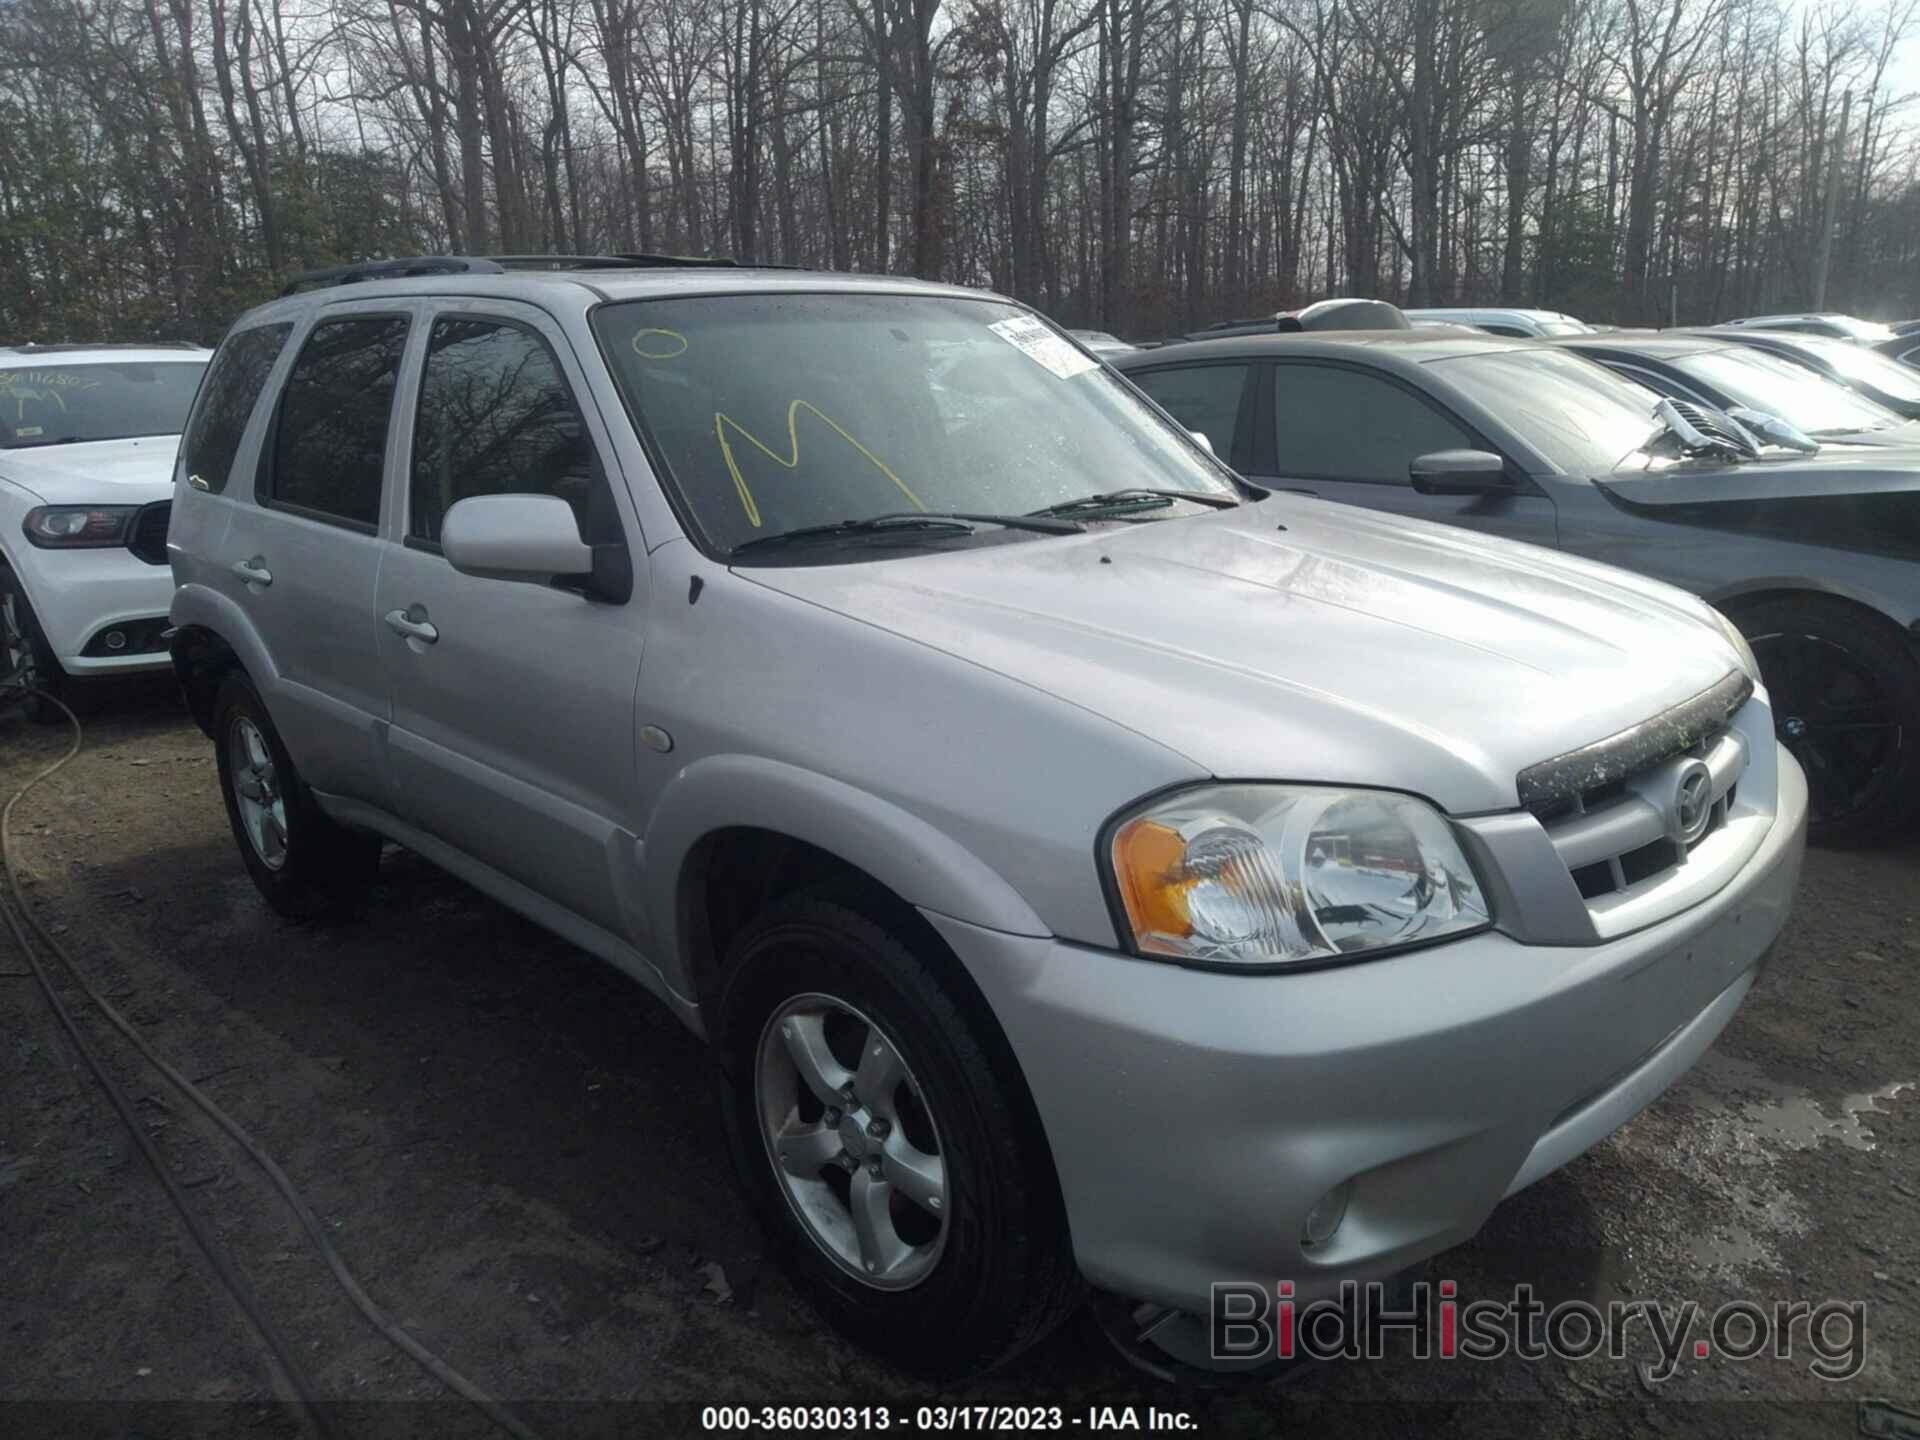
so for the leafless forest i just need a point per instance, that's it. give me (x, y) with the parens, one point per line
(1140, 165)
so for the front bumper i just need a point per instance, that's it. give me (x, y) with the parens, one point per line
(1196, 1118)
(82, 595)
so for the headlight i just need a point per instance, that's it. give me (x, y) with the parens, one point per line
(1739, 644)
(1280, 874)
(78, 527)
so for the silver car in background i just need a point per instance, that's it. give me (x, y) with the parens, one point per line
(1089, 872)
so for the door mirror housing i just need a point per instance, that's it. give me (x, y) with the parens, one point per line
(515, 537)
(1460, 472)
(1200, 439)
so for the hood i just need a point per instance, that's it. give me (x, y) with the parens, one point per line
(1295, 639)
(118, 472)
(1867, 503)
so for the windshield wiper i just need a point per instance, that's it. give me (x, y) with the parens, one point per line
(37, 444)
(955, 520)
(1135, 499)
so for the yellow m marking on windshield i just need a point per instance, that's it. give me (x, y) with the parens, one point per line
(791, 460)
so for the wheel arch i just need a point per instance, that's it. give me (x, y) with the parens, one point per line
(1753, 593)
(744, 830)
(211, 635)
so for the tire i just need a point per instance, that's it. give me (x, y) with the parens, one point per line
(1828, 664)
(954, 1296)
(307, 866)
(25, 655)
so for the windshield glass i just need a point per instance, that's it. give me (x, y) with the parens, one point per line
(777, 411)
(64, 404)
(1869, 367)
(1583, 418)
(1562, 327)
(1793, 393)
(1868, 330)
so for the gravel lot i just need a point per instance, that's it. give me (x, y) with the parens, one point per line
(518, 1153)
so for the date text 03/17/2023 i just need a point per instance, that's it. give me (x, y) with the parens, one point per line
(980, 1419)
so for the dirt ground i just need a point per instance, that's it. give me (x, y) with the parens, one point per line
(518, 1152)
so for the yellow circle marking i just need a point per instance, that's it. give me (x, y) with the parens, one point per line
(674, 346)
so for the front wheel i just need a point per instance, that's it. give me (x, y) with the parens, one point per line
(886, 1141)
(27, 661)
(304, 864)
(1845, 689)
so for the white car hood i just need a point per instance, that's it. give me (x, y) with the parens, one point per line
(1300, 640)
(111, 472)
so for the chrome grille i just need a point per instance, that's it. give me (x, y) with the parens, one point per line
(147, 537)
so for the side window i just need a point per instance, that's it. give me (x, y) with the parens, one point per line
(1202, 397)
(234, 381)
(1335, 424)
(330, 439)
(496, 418)
(1511, 330)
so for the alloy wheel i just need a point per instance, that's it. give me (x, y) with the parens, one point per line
(852, 1141)
(1834, 715)
(257, 792)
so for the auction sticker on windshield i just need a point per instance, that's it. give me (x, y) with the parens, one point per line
(1038, 343)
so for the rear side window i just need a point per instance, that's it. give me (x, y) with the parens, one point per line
(1335, 424)
(495, 418)
(233, 384)
(330, 439)
(1203, 397)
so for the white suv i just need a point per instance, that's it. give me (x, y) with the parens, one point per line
(87, 439)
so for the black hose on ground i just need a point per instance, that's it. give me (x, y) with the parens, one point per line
(289, 1192)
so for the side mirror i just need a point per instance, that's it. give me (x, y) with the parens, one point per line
(514, 537)
(1200, 439)
(1459, 472)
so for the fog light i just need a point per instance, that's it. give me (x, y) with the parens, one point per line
(116, 640)
(1326, 1216)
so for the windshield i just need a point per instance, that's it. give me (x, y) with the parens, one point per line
(1868, 367)
(1795, 394)
(1867, 330)
(1582, 417)
(1563, 327)
(777, 411)
(66, 404)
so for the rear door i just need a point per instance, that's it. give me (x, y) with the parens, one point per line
(512, 702)
(301, 558)
(1345, 433)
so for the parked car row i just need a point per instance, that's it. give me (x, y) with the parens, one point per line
(1002, 753)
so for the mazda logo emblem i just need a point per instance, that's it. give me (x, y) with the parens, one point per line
(1692, 802)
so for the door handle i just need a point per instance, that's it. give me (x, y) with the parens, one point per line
(254, 571)
(412, 626)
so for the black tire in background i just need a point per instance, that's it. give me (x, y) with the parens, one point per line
(1004, 1276)
(24, 651)
(1845, 688)
(316, 869)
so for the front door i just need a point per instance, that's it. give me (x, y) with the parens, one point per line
(513, 701)
(1348, 434)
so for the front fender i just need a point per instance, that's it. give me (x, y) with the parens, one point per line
(917, 862)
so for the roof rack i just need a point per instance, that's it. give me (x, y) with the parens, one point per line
(501, 264)
(391, 270)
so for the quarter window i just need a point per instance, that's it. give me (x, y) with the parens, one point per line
(1336, 424)
(330, 441)
(495, 418)
(233, 384)
(1202, 397)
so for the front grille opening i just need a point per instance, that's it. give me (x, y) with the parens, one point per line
(1595, 879)
(147, 538)
(1648, 861)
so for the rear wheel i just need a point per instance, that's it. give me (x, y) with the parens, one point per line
(26, 659)
(1845, 689)
(307, 866)
(885, 1141)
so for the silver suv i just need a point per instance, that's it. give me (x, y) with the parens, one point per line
(1089, 871)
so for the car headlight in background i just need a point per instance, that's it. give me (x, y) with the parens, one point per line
(1739, 644)
(1284, 874)
(78, 527)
